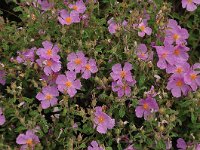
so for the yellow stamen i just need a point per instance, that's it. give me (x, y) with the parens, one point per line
(78, 61)
(75, 7)
(49, 52)
(179, 83)
(87, 67)
(68, 83)
(145, 106)
(68, 20)
(177, 52)
(101, 119)
(179, 70)
(193, 76)
(48, 97)
(123, 74)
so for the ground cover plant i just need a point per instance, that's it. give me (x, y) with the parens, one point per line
(100, 75)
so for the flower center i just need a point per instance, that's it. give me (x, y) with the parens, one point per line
(123, 74)
(142, 28)
(179, 83)
(190, 1)
(75, 7)
(145, 106)
(68, 20)
(49, 52)
(68, 84)
(175, 36)
(77, 61)
(49, 63)
(177, 52)
(193, 76)
(29, 142)
(179, 70)
(48, 97)
(164, 55)
(87, 67)
(142, 55)
(101, 119)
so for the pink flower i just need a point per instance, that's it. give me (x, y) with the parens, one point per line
(164, 55)
(2, 117)
(180, 53)
(192, 78)
(50, 66)
(45, 5)
(48, 96)
(144, 29)
(181, 144)
(49, 51)
(68, 83)
(177, 86)
(2, 77)
(78, 7)
(113, 26)
(28, 140)
(118, 73)
(102, 121)
(68, 18)
(141, 52)
(26, 56)
(175, 33)
(178, 68)
(94, 146)
(89, 68)
(76, 61)
(190, 4)
(146, 107)
(123, 88)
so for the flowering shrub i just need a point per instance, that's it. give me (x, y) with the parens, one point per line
(100, 75)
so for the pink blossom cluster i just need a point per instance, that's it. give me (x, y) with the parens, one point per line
(26, 56)
(75, 15)
(173, 57)
(122, 79)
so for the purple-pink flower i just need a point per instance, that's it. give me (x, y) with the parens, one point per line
(175, 33)
(76, 61)
(2, 117)
(28, 140)
(68, 18)
(48, 96)
(164, 55)
(178, 68)
(68, 83)
(181, 144)
(141, 52)
(94, 146)
(177, 86)
(26, 56)
(146, 107)
(88, 68)
(180, 54)
(49, 51)
(78, 7)
(190, 5)
(192, 78)
(123, 88)
(2, 77)
(50, 66)
(102, 121)
(144, 29)
(118, 73)
(113, 26)
(45, 4)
